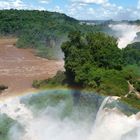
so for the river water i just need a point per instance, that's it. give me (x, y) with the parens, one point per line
(67, 115)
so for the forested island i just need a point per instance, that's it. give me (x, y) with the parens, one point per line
(92, 58)
(93, 61)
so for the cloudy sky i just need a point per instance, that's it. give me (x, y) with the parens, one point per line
(82, 9)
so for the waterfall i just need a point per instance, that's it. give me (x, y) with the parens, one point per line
(99, 115)
(37, 118)
(126, 33)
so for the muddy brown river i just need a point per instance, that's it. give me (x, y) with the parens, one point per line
(19, 67)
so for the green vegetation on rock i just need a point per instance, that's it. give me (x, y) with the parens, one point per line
(58, 80)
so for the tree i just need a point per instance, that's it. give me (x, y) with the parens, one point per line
(131, 53)
(85, 53)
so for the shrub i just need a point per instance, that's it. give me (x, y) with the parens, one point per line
(58, 80)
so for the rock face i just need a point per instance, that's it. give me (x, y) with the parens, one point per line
(19, 67)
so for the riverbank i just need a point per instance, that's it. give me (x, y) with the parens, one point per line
(19, 67)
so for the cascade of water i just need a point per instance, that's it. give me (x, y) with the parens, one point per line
(126, 33)
(99, 115)
(110, 124)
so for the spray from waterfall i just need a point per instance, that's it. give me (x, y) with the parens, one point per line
(49, 123)
(126, 33)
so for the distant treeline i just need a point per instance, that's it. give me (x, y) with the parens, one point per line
(42, 30)
(17, 22)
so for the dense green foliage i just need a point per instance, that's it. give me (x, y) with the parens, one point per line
(131, 53)
(94, 61)
(37, 23)
(88, 57)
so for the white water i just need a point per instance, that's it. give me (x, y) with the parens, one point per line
(99, 113)
(126, 33)
(110, 124)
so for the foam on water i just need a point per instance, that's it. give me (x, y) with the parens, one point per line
(48, 124)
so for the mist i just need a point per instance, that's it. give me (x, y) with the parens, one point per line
(34, 120)
(126, 33)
